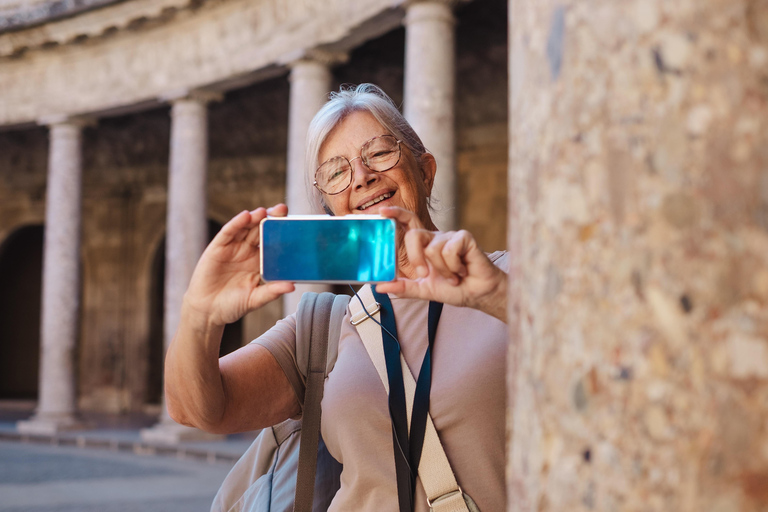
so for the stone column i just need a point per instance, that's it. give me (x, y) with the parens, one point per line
(187, 226)
(639, 186)
(57, 403)
(429, 94)
(310, 80)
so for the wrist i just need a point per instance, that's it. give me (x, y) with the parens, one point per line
(494, 302)
(198, 319)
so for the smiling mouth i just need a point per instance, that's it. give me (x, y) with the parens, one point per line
(372, 202)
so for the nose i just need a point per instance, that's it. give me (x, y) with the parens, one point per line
(361, 174)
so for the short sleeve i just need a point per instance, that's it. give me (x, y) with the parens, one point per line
(500, 259)
(280, 340)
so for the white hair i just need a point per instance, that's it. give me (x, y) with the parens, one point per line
(363, 98)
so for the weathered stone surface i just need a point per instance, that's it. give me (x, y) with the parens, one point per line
(638, 378)
(221, 42)
(57, 402)
(15, 14)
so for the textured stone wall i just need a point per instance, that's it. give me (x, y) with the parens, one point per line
(15, 14)
(639, 172)
(23, 166)
(143, 50)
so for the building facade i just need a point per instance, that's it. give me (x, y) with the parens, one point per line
(130, 131)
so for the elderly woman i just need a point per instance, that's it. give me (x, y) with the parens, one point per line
(248, 389)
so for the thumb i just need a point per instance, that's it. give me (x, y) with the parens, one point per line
(268, 292)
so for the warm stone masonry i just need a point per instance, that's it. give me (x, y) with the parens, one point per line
(640, 362)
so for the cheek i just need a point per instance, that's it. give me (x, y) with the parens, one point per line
(336, 204)
(414, 191)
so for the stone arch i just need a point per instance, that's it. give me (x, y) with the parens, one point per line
(21, 264)
(232, 338)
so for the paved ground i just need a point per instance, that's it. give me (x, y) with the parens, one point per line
(108, 468)
(45, 478)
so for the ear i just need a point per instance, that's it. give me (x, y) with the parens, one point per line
(429, 168)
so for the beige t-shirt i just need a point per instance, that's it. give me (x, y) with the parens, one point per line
(467, 403)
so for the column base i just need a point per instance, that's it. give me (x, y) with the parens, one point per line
(173, 433)
(49, 424)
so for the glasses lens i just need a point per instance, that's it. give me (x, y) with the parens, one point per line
(381, 153)
(333, 176)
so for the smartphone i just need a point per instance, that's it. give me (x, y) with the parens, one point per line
(352, 249)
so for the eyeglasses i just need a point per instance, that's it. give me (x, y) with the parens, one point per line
(378, 154)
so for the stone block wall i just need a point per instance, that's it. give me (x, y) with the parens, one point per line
(639, 329)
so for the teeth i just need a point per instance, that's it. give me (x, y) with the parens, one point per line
(376, 200)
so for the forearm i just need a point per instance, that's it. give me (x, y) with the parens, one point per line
(193, 386)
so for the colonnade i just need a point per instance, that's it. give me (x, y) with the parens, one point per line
(429, 106)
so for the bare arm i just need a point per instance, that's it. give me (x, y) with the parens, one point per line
(246, 389)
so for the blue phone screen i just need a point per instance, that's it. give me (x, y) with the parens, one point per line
(343, 250)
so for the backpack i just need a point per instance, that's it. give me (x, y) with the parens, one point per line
(280, 471)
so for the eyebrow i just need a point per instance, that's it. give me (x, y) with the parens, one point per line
(359, 148)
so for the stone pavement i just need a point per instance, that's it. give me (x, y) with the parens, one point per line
(108, 468)
(121, 433)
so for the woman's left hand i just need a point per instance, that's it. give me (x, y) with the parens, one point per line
(447, 267)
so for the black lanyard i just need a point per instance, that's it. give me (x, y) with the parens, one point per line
(407, 448)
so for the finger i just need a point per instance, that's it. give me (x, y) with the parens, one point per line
(279, 210)
(396, 287)
(235, 229)
(253, 237)
(454, 251)
(407, 218)
(415, 241)
(434, 254)
(268, 292)
(405, 288)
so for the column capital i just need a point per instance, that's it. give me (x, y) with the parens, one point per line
(424, 10)
(325, 57)
(64, 119)
(203, 96)
(449, 3)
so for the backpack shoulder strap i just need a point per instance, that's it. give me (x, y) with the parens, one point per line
(320, 315)
(305, 317)
(437, 478)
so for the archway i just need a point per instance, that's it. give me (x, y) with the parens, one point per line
(232, 338)
(21, 264)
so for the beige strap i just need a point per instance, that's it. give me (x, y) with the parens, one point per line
(443, 492)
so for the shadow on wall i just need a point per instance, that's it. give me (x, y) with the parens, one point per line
(21, 265)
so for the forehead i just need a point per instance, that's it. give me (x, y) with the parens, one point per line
(352, 132)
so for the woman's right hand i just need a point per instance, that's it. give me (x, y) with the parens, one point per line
(226, 283)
